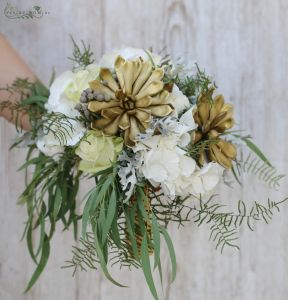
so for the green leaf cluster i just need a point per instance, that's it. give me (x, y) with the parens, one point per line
(50, 197)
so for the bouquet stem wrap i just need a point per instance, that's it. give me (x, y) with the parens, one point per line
(137, 225)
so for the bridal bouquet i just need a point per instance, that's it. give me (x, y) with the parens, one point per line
(154, 137)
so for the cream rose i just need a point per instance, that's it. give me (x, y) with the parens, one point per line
(97, 151)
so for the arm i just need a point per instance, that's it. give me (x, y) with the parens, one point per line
(11, 67)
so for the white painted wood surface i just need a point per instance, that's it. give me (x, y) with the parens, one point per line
(244, 44)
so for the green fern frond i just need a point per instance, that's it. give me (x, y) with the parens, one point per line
(59, 125)
(225, 225)
(84, 256)
(257, 167)
(82, 56)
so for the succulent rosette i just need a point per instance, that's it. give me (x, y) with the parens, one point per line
(156, 139)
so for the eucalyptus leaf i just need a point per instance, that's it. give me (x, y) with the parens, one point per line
(171, 251)
(42, 263)
(147, 267)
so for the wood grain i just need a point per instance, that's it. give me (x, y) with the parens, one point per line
(244, 45)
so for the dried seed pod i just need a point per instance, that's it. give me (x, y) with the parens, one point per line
(90, 96)
(100, 97)
(83, 98)
(87, 113)
(85, 106)
(78, 107)
(107, 98)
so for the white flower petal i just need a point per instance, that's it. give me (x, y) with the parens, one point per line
(66, 90)
(179, 101)
(108, 59)
(188, 120)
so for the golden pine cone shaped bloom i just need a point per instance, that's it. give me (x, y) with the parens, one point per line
(136, 96)
(137, 228)
(214, 117)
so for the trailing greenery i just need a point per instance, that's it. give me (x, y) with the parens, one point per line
(117, 232)
(224, 225)
(256, 164)
(262, 170)
(50, 196)
(82, 56)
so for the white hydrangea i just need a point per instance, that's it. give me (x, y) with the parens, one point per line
(179, 101)
(178, 174)
(166, 164)
(201, 182)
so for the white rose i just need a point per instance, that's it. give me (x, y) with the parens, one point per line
(66, 90)
(108, 59)
(50, 145)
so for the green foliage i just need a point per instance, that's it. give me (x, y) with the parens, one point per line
(248, 141)
(58, 124)
(224, 225)
(50, 196)
(192, 85)
(262, 170)
(256, 164)
(31, 98)
(82, 56)
(42, 263)
(118, 228)
(203, 145)
(84, 256)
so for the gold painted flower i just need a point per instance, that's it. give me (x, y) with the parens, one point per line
(214, 117)
(136, 93)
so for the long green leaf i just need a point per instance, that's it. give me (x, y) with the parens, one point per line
(29, 240)
(171, 251)
(34, 100)
(42, 263)
(93, 201)
(147, 268)
(110, 216)
(130, 219)
(156, 241)
(253, 148)
(57, 202)
(102, 260)
(42, 234)
(141, 199)
(86, 211)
